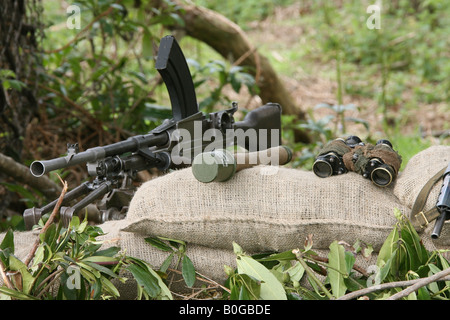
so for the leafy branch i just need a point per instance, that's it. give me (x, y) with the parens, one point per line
(402, 261)
(412, 285)
(67, 263)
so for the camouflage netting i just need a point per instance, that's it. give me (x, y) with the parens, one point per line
(264, 212)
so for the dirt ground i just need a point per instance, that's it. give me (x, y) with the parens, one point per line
(310, 89)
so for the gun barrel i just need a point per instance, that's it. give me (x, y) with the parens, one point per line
(132, 144)
(438, 225)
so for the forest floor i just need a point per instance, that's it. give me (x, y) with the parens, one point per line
(289, 42)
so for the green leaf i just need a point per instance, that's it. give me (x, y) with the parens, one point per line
(388, 247)
(6, 73)
(349, 261)
(147, 48)
(14, 84)
(100, 259)
(445, 265)
(252, 287)
(74, 223)
(109, 252)
(244, 294)
(271, 288)
(165, 265)
(385, 269)
(157, 243)
(165, 292)
(82, 226)
(296, 272)
(8, 241)
(237, 249)
(38, 256)
(188, 271)
(235, 290)
(84, 265)
(282, 256)
(109, 287)
(102, 269)
(336, 269)
(27, 279)
(16, 294)
(433, 286)
(145, 279)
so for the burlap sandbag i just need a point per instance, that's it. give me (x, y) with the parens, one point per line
(264, 211)
(419, 169)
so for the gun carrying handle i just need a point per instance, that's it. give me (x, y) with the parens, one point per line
(274, 156)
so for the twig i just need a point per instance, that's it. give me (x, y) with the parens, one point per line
(325, 260)
(310, 273)
(421, 283)
(203, 278)
(207, 280)
(4, 276)
(49, 221)
(388, 285)
(55, 277)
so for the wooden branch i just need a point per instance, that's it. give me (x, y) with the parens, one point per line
(419, 284)
(48, 223)
(4, 276)
(411, 284)
(22, 174)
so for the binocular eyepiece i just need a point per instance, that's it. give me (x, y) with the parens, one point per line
(380, 173)
(329, 164)
(330, 160)
(379, 163)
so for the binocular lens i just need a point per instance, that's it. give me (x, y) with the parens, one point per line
(382, 176)
(322, 168)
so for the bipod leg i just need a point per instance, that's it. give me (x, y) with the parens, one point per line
(66, 213)
(31, 216)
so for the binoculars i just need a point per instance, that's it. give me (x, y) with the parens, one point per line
(379, 163)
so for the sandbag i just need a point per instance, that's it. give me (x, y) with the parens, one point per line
(419, 169)
(262, 210)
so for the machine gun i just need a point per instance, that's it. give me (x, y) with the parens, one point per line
(173, 144)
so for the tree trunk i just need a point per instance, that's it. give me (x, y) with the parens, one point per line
(22, 174)
(18, 61)
(230, 41)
